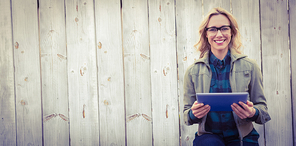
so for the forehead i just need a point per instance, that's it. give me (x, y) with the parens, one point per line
(218, 21)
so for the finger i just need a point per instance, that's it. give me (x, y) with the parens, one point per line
(203, 111)
(245, 107)
(238, 107)
(196, 106)
(238, 112)
(250, 104)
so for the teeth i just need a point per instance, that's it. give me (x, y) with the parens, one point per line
(219, 41)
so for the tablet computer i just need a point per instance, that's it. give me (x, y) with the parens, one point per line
(221, 101)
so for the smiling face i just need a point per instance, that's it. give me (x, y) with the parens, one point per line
(219, 42)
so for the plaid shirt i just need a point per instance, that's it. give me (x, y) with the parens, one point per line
(222, 122)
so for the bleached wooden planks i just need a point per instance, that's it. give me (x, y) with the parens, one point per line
(27, 72)
(247, 16)
(137, 72)
(163, 72)
(54, 72)
(292, 12)
(188, 19)
(110, 72)
(276, 76)
(7, 103)
(210, 4)
(82, 73)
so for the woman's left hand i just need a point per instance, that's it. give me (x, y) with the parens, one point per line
(248, 111)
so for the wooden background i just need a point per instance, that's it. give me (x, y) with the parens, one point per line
(110, 72)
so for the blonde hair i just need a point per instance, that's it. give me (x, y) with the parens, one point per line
(235, 43)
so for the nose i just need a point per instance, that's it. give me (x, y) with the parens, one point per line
(219, 33)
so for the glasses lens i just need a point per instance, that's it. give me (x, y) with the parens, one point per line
(224, 30)
(212, 31)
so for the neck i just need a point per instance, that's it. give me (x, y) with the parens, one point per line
(220, 54)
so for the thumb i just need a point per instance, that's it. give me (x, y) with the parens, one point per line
(250, 103)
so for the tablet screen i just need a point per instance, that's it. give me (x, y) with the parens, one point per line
(221, 101)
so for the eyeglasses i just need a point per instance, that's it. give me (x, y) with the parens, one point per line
(214, 30)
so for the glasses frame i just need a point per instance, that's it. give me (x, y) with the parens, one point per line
(219, 28)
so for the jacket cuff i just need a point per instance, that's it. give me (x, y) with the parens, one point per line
(193, 118)
(255, 116)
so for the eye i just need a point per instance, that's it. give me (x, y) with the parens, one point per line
(212, 29)
(225, 28)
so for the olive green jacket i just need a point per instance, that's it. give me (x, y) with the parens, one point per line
(244, 76)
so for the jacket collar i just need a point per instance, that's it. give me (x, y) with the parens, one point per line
(234, 56)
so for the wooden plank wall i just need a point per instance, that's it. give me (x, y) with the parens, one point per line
(7, 97)
(27, 74)
(54, 73)
(276, 71)
(100, 72)
(292, 18)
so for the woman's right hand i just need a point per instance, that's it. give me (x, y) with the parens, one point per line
(199, 110)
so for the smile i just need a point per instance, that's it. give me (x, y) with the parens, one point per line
(219, 41)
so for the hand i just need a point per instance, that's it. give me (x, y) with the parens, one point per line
(199, 110)
(248, 111)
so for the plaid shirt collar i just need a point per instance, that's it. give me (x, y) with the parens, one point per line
(220, 63)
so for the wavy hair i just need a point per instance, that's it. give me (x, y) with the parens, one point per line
(235, 43)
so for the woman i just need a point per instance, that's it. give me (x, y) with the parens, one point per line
(222, 68)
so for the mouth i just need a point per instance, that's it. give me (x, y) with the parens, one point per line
(219, 41)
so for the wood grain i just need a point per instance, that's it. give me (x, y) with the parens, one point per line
(54, 73)
(110, 72)
(163, 72)
(137, 72)
(82, 73)
(292, 18)
(7, 103)
(27, 72)
(276, 76)
(210, 4)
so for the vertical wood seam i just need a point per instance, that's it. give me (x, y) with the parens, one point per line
(97, 67)
(123, 75)
(261, 65)
(148, 12)
(67, 70)
(291, 70)
(12, 38)
(40, 68)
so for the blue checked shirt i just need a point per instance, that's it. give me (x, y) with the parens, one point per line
(222, 122)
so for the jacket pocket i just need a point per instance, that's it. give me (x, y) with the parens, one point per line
(202, 83)
(243, 79)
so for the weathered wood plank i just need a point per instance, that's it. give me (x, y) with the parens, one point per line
(137, 72)
(210, 4)
(82, 73)
(54, 73)
(7, 104)
(110, 72)
(188, 19)
(247, 16)
(292, 6)
(163, 72)
(27, 72)
(276, 76)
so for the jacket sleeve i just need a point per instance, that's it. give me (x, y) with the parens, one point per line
(257, 95)
(189, 97)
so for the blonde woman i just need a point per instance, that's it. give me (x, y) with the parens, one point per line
(222, 68)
